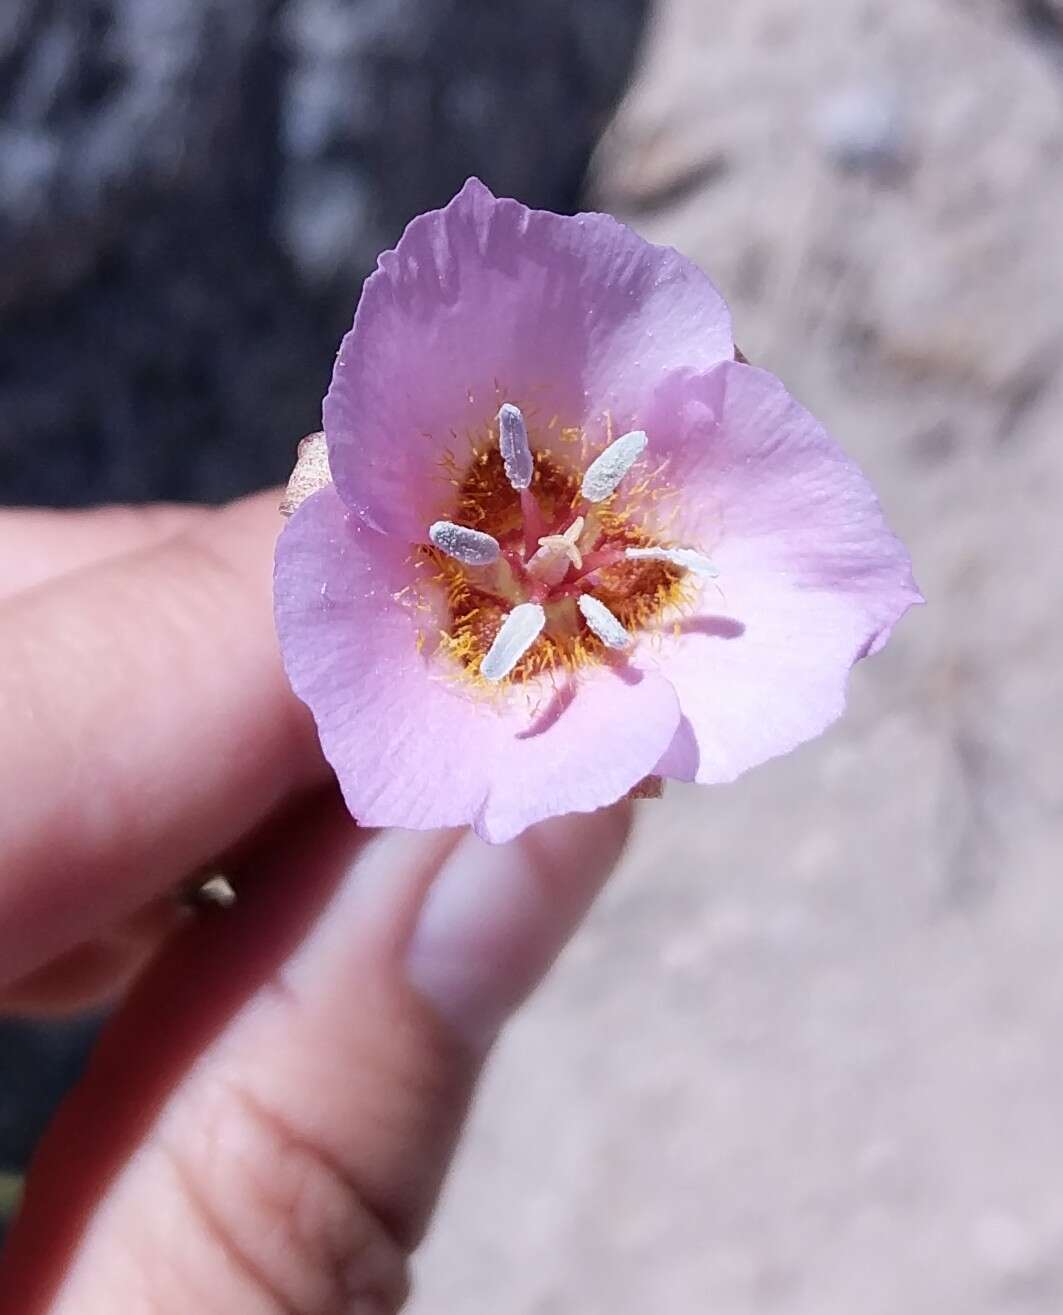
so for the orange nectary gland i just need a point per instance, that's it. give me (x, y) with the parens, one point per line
(478, 599)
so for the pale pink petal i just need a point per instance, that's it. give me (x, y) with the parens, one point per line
(487, 301)
(409, 746)
(811, 576)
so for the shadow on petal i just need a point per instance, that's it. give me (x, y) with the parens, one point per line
(683, 756)
(619, 665)
(546, 718)
(717, 627)
(561, 699)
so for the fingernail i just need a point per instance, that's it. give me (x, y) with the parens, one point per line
(497, 915)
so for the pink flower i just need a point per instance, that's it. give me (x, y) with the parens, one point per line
(570, 541)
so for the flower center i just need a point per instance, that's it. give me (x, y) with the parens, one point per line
(542, 570)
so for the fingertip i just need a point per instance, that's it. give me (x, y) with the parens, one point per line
(577, 851)
(497, 916)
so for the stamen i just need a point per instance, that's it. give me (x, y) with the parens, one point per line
(597, 561)
(513, 442)
(609, 467)
(519, 631)
(603, 622)
(471, 547)
(685, 557)
(534, 525)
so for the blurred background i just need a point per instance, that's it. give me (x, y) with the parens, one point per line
(807, 1055)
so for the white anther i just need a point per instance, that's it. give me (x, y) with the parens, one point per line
(513, 442)
(472, 547)
(519, 631)
(609, 467)
(685, 557)
(603, 622)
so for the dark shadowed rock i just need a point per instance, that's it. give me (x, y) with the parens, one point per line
(191, 193)
(37, 1064)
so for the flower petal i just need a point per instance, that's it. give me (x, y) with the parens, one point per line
(485, 302)
(410, 747)
(812, 578)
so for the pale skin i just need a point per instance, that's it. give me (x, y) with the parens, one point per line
(268, 1119)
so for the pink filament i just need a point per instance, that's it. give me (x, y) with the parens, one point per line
(534, 525)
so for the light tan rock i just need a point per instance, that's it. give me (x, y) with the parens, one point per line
(806, 1056)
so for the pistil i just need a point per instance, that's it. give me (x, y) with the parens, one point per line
(556, 553)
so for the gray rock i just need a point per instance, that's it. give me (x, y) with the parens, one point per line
(863, 127)
(191, 193)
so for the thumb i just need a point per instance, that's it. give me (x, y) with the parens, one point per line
(266, 1124)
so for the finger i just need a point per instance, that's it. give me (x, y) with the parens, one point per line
(95, 971)
(147, 724)
(268, 1120)
(37, 545)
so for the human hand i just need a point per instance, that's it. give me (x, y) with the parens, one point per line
(269, 1115)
